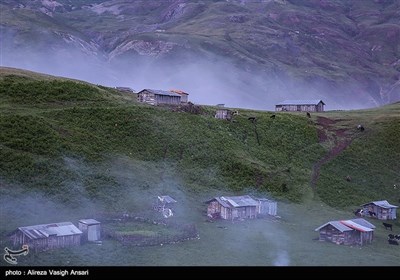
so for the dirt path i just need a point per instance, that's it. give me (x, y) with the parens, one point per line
(341, 142)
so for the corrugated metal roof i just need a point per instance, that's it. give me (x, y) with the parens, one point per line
(263, 199)
(166, 199)
(363, 222)
(383, 204)
(301, 102)
(356, 226)
(161, 92)
(89, 222)
(222, 202)
(178, 91)
(347, 225)
(240, 201)
(336, 224)
(46, 230)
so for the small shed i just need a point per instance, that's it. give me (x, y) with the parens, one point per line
(184, 95)
(266, 206)
(165, 205)
(90, 229)
(157, 97)
(47, 236)
(232, 207)
(381, 210)
(224, 114)
(166, 200)
(313, 105)
(347, 232)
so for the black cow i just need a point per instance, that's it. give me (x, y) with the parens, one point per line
(391, 236)
(387, 226)
(272, 117)
(393, 242)
(308, 115)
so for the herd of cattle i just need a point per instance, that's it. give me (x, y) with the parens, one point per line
(393, 239)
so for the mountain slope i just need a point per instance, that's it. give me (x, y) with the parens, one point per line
(73, 140)
(342, 52)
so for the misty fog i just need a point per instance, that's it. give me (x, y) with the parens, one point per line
(209, 80)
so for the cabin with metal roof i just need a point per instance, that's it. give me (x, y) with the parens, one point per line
(239, 207)
(310, 105)
(90, 229)
(184, 95)
(381, 210)
(347, 232)
(47, 236)
(158, 97)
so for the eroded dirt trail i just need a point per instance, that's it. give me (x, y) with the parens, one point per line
(340, 139)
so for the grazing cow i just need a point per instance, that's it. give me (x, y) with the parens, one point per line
(391, 236)
(252, 119)
(387, 226)
(348, 178)
(397, 236)
(272, 117)
(308, 115)
(393, 242)
(360, 127)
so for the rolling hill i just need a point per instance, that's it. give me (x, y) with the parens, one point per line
(70, 149)
(50, 124)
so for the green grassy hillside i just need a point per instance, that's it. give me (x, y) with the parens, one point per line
(46, 122)
(70, 150)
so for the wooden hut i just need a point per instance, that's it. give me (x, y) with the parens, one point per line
(165, 205)
(165, 201)
(157, 97)
(47, 236)
(314, 105)
(184, 95)
(347, 232)
(381, 210)
(224, 114)
(90, 229)
(232, 207)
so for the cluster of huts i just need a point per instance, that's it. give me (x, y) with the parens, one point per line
(56, 235)
(357, 231)
(65, 234)
(177, 97)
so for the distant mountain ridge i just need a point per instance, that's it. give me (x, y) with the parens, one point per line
(342, 51)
